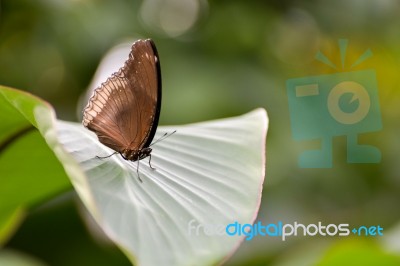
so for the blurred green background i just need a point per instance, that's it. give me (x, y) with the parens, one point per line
(220, 59)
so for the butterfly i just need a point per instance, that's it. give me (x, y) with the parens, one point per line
(125, 109)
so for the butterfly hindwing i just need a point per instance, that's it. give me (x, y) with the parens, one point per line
(124, 110)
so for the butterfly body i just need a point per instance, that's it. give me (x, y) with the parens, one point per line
(124, 111)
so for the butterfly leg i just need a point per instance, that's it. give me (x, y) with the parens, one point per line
(103, 157)
(153, 168)
(137, 171)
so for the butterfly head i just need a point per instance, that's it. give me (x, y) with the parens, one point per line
(134, 155)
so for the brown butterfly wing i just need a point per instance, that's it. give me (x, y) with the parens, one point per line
(124, 110)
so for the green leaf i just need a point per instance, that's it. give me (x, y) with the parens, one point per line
(358, 252)
(208, 175)
(29, 170)
(13, 258)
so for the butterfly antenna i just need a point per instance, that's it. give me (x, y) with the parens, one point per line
(166, 135)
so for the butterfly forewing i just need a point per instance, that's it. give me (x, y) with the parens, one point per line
(124, 110)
